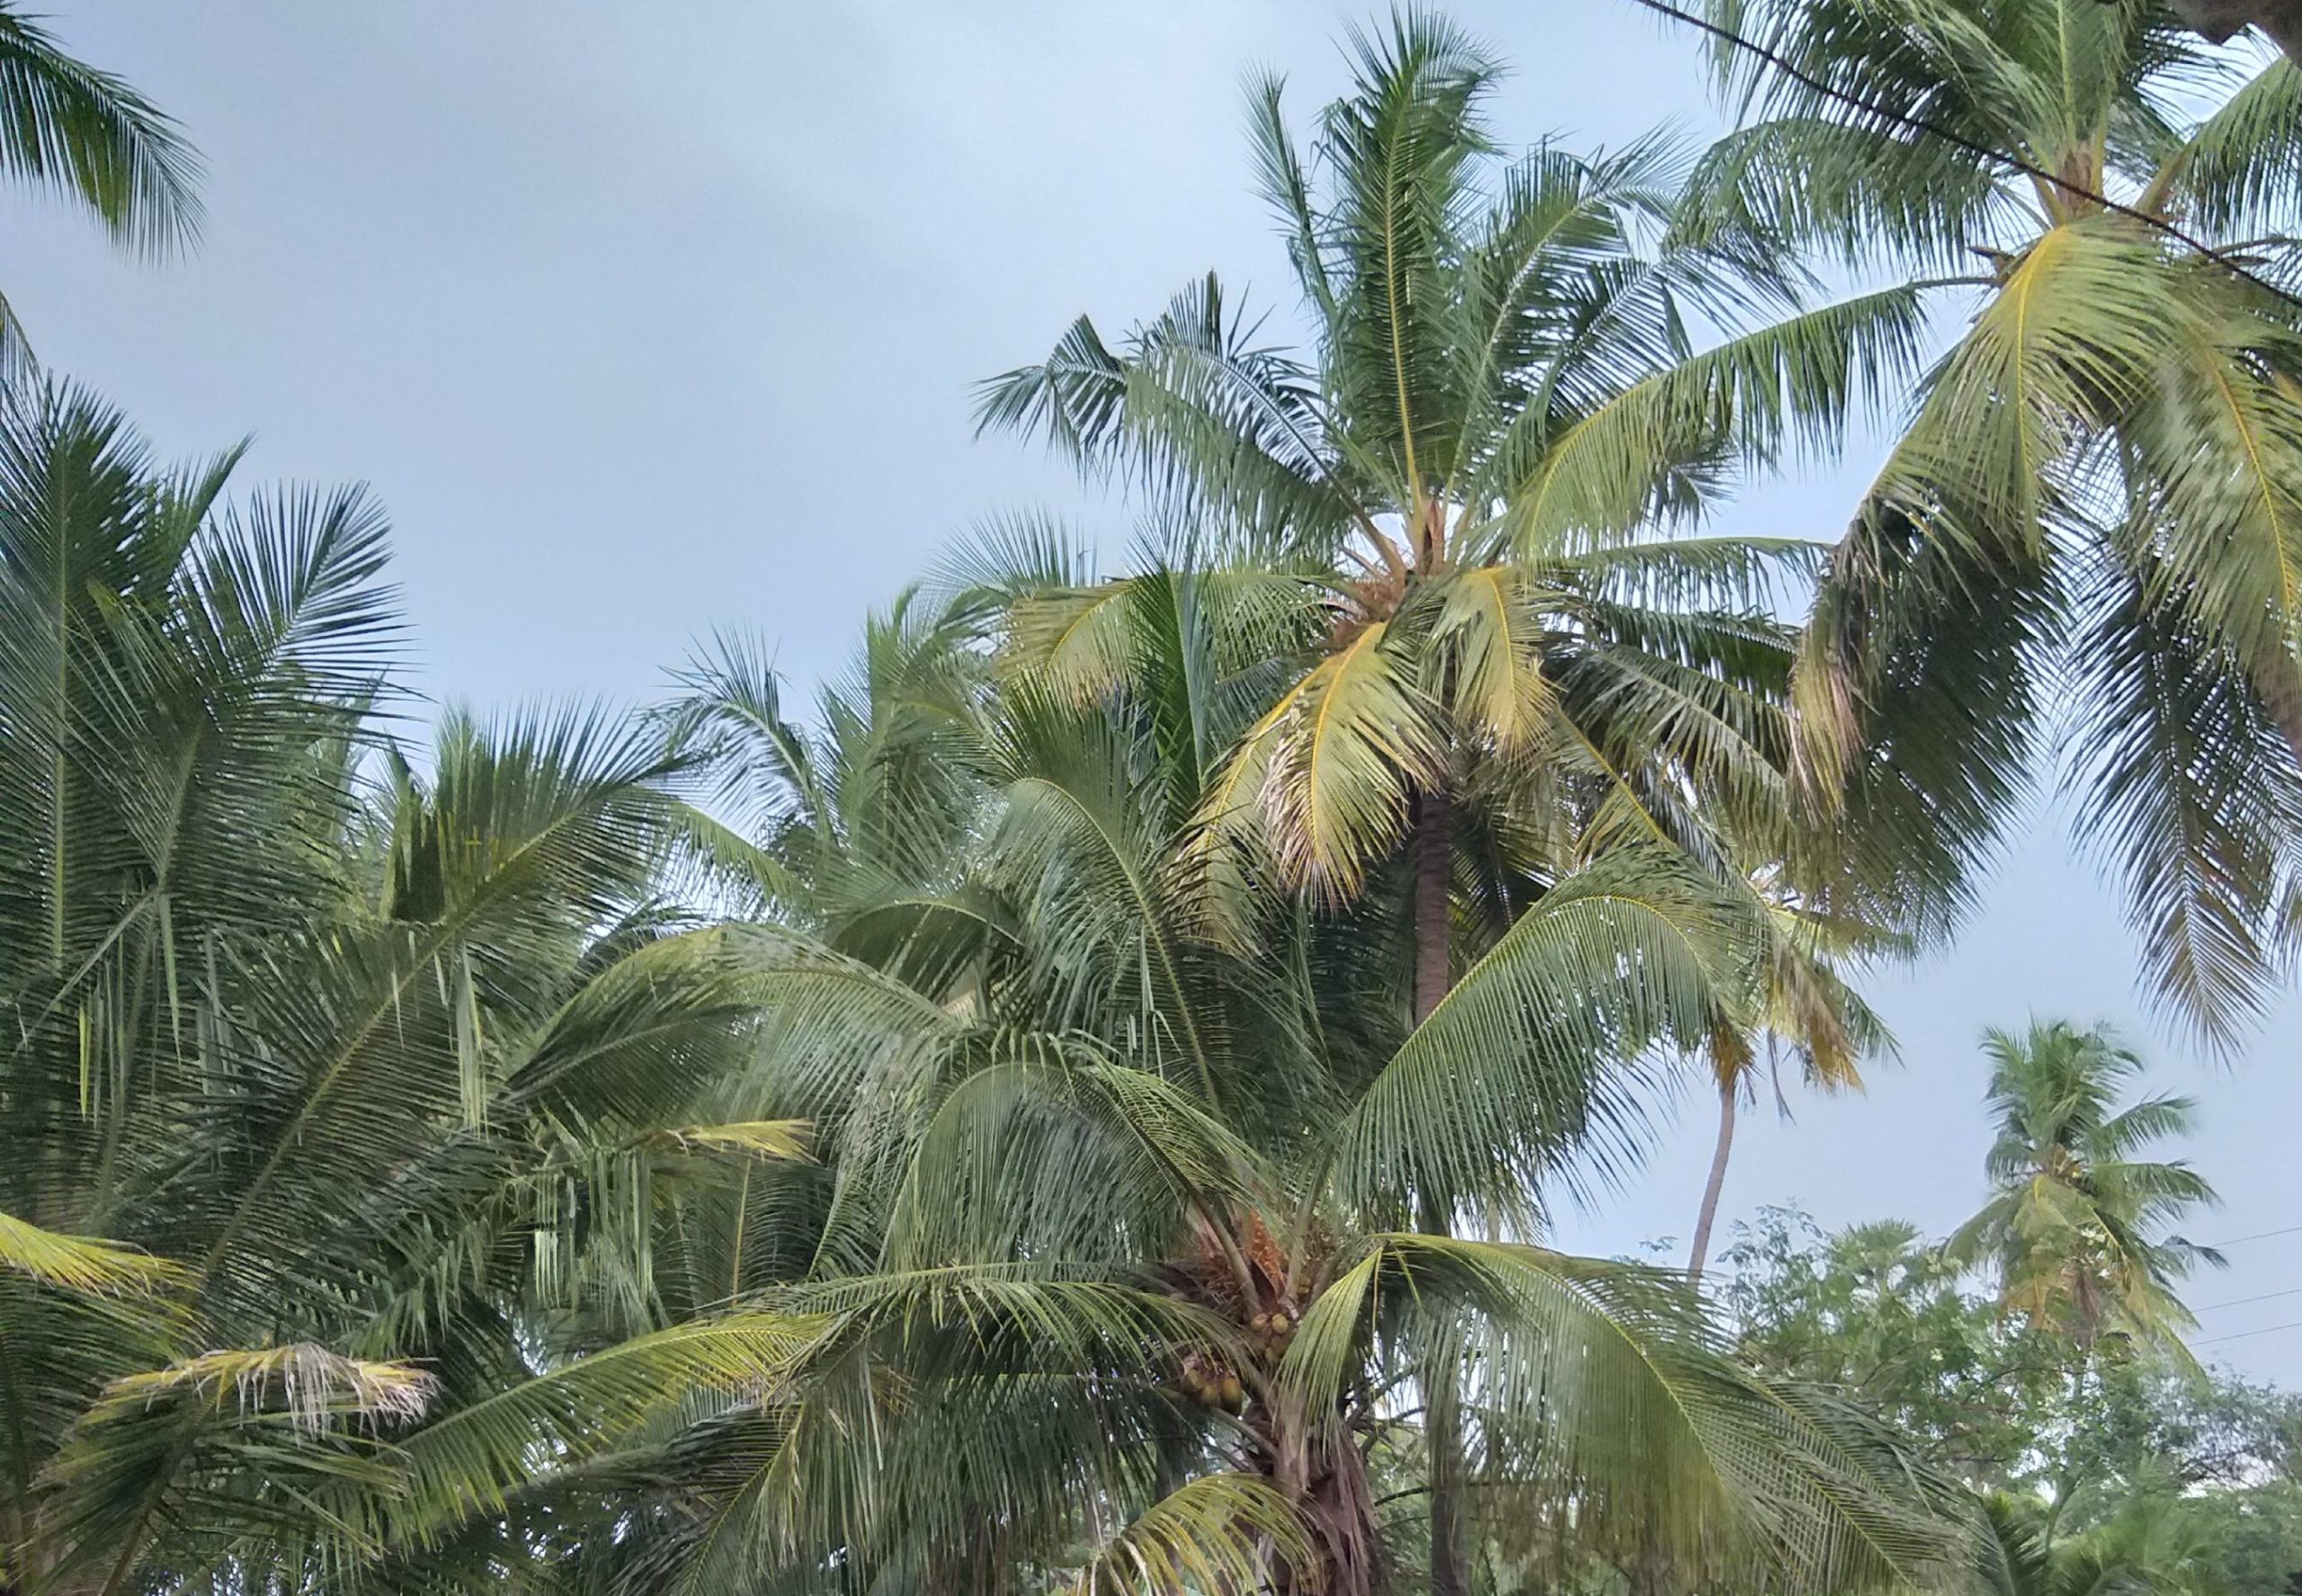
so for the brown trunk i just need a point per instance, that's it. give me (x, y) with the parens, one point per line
(2217, 20)
(1434, 870)
(1433, 973)
(1341, 1511)
(2279, 685)
(1319, 1468)
(1442, 1439)
(1701, 1252)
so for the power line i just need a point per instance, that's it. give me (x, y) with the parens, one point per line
(2260, 1236)
(2243, 1334)
(2239, 1302)
(1999, 157)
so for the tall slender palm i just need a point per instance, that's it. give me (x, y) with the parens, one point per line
(1804, 1003)
(2094, 504)
(82, 133)
(2077, 1226)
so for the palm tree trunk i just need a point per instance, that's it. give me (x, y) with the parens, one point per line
(1434, 971)
(2217, 20)
(1700, 1252)
(2278, 684)
(1433, 867)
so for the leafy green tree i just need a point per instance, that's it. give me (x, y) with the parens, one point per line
(2078, 1224)
(2096, 484)
(2132, 1470)
(2257, 1533)
(82, 133)
(1878, 1313)
(2152, 1427)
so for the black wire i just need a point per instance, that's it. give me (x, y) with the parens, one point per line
(1919, 124)
(2260, 1236)
(2239, 1302)
(2243, 1334)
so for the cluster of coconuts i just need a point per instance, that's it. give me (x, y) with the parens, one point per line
(1274, 1326)
(1211, 1385)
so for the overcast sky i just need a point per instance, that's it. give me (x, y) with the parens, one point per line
(648, 320)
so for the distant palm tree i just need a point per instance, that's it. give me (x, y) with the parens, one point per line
(2094, 510)
(2149, 1549)
(83, 133)
(2077, 1225)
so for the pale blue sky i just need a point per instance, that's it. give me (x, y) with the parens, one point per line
(649, 320)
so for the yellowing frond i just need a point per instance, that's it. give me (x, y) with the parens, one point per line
(1358, 739)
(1491, 637)
(310, 1383)
(757, 1138)
(81, 1263)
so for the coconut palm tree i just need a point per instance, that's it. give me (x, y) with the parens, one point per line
(1446, 481)
(1441, 525)
(329, 1083)
(83, 134)
(2078, 1224)
(2089, 514)
(1105, 1271)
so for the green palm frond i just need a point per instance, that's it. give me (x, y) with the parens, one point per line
(2234, 175)
(87, 137)
(85, 133)
(2186, 797)
(1600, 1387)
(1190, 404)
(464, 1463)
(1649, 445)
(1214, 1532)
(1048, 1148)
(1534, 1053)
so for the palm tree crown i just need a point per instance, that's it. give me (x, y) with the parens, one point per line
(1461, 482)
(330, 1083)
(2094, 511)
(2078, 1224)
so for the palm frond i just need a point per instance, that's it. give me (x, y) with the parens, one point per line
(81, 1263)
(85, 133)
(1532, 1057)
